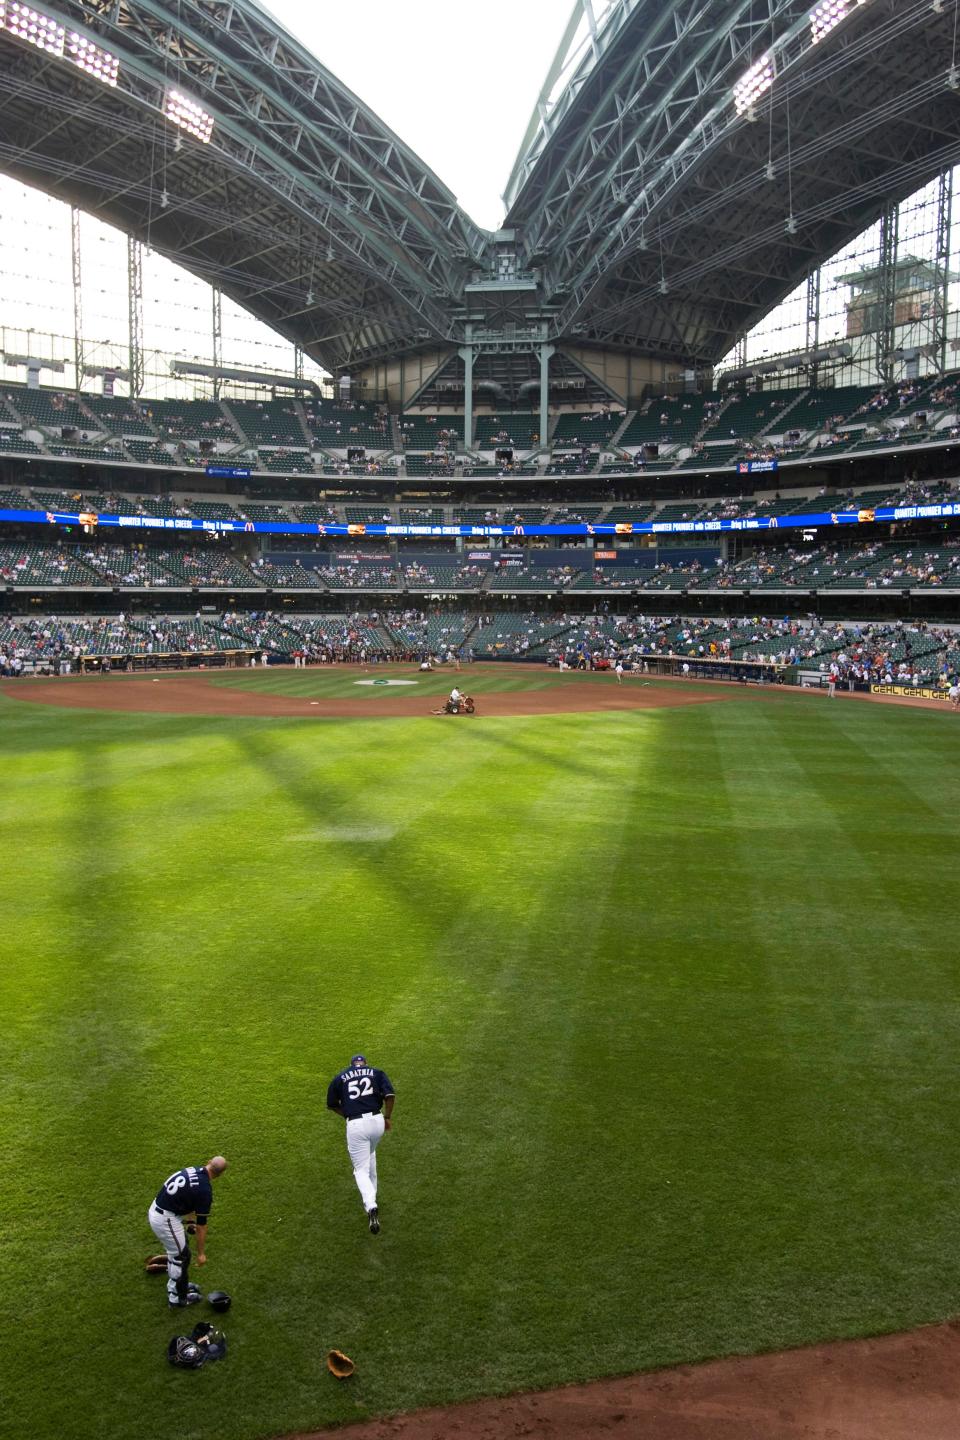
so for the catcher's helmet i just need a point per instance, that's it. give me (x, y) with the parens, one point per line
(185, 1353)
(219, 1299)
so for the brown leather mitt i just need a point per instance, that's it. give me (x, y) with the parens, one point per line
(339, 1364)
(155, 1265)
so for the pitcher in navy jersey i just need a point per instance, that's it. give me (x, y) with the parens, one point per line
(363, 1095)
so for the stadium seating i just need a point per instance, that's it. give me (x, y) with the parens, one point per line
(119, 565)
(670, 420)
(269, 423)
(712, 457)
(875, 649)
(213, 510)
(265, 514)
(434, 464)
(431, 432)
(366, 514)
(190, 420)
(571, 465)
(610, 577)
(14, 442)
(520, 429)
(313, 514)
(161, 506)
(150, 452)
(630, 514)
(340, 426)
(824, 409)
(51, 410)
(360, 576)
(278, 576)
(421, 515)
(678, 511)
(475, 515)
(748, 415)
(593, 429)
(575, 514)
(418, 576)
(206, 567)
(45, 565)
(533, 577)
(504, 636)
(99, 453)
(118, 416)
(285, 462)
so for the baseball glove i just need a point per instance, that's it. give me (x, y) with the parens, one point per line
(339, 1364)
(155, 1265)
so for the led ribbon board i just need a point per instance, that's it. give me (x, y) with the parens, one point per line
(90, 521)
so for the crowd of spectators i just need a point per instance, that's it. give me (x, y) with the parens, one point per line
(360, 576)
(852, 653)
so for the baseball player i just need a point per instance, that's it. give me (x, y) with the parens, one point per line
(186, 1195)
(360, 1093)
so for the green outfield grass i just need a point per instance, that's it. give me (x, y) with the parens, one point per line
(350, 682)
(670, 998)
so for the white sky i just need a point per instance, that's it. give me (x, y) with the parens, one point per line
(455, 82)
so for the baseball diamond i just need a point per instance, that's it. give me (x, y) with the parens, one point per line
(479, 690)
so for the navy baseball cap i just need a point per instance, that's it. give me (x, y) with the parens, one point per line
(358, 1059)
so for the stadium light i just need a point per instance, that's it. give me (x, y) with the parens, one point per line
(28, 24)
(96, 62)
(828, 15)
(188, 115)
(49, 35)
(757, 80)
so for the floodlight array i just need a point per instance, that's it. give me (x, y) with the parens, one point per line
(186, 113)
(49, 35)
(754, 83)
(28, 24)
(827, 16)
(96, 62)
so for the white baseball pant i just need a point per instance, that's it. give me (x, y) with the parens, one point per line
(364, 1134)
(169, 1230)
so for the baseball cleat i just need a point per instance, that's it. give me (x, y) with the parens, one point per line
(192, 1297)
(374, 1219)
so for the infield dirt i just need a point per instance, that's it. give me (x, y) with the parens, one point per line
(193, 694)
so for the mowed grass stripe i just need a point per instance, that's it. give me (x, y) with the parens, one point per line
(663, 993)
(356, 682)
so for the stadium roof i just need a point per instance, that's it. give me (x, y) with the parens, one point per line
(687, 163)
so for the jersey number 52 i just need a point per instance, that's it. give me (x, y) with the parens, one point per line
(356, 1088)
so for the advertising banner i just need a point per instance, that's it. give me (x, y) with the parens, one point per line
(922, 692)
(882, 514)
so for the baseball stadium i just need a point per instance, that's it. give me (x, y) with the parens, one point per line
(479, 700)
